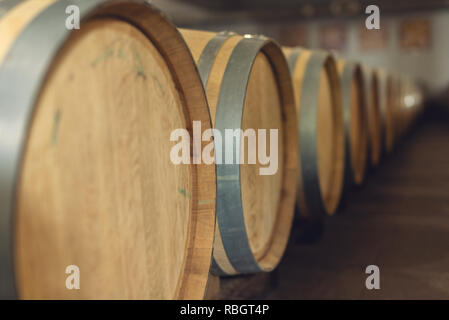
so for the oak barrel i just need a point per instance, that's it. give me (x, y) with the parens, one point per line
(399, 111)
(356, 121)
(413, 97)
(373, 104)
(87, 184)
(411, 104)
(391, 90)
(249, 87)
(321, 131)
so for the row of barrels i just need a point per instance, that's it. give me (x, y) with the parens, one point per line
(86, 179)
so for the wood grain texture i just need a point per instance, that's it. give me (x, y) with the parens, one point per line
(261, 194)
(97, 187)
(330, 144)
(267, 200)
(329, 128)
(104, 152)
(298, 78)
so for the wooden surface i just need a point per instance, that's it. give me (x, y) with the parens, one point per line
(398, 107)
(261, 194)
(330, 137)
(329, 127)
(262, 110)
(298, 78)
(391, 96)
(358, 124)
(397, 221)
(409, 106)
(97, 182)
(106, 163)
(359, 128)
(327, 133)
(374, 117)
(265, 103)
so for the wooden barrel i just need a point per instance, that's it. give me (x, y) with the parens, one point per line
(87, 184)
(356, 121)
(249, 87)
(390, 84)
(374, 113)
(414, 102)
(407, 105)
(402, 107)
(419, 93)
(398, 107)
(411, 104)
(321, 131)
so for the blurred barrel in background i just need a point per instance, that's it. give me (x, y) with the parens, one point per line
(403, 100)
(398, 106)
(374, 114)
(356, 121)
(399, 118)
(410, 105)
(391, 89)
(86, 176)
(248, 86)
(321, 131)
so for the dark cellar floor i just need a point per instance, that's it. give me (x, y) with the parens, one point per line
(399, 221)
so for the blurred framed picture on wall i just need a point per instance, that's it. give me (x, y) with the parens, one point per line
(292, 35)
(415, 34)
(333, 36)
(374, 39)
